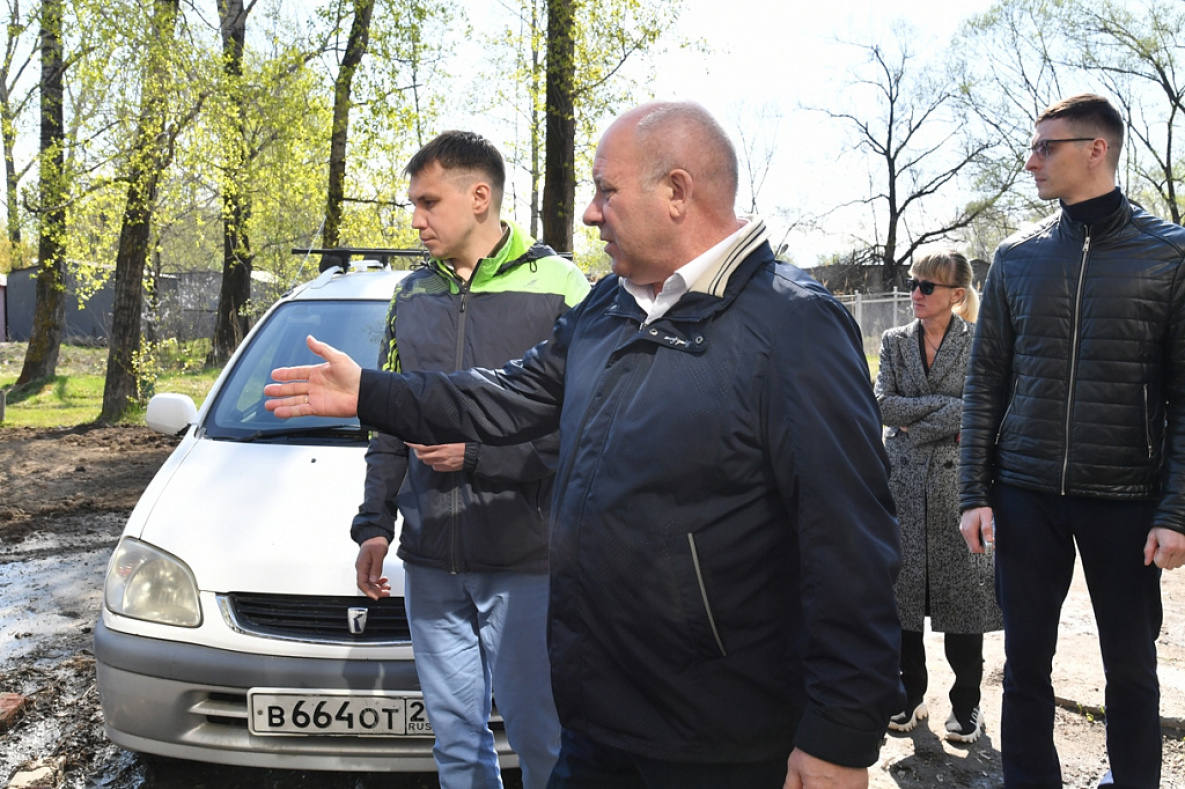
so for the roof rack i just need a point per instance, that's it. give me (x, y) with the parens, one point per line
(340, 256)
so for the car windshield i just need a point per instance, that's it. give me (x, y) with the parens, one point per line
(355, 327)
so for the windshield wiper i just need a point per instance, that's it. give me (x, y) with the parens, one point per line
(321, 431)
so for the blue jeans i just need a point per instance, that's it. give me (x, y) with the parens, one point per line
(1036, 534)
(585, 764)
(477, 634)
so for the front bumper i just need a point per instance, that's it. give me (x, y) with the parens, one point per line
(190, 702)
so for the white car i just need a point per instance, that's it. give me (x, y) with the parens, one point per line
(232, 630)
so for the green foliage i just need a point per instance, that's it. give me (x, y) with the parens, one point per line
(589, 253)
(397, 100)
(75, 395)
(14, 256)
(608, 34)
(169, 358)
(259, 134)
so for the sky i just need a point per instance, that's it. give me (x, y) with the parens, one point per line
(768, 59)
(775, 57)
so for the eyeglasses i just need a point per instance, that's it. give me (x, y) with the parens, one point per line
(1042, 148)
(925, 286)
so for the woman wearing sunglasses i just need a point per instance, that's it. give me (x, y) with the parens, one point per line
(920, 391)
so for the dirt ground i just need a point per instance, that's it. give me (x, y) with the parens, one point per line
(64, 495)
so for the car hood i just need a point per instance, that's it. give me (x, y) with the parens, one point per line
(261, 517)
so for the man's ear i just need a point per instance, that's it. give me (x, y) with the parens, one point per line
(1099, 149)
(681, 186)
(481, 194)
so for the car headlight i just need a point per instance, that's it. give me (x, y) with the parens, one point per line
(146, 583)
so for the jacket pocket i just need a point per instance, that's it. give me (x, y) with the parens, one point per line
(1007, 411)
(703, 592)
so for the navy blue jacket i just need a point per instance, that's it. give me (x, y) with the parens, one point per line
(723, 540)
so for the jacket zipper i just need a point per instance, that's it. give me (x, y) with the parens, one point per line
(1074, 360)
(703, 593)
(1147, 422)
(459, 360)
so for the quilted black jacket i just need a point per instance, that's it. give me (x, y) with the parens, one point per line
(1076, 383)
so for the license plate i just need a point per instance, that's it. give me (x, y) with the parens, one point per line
(337, 713)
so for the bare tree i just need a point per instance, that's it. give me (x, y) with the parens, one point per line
(755, 154)
(920, 151)
(1008, 65)
(1137, 52)
(1022, 55)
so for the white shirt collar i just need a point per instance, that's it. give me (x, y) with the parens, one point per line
(677, 285)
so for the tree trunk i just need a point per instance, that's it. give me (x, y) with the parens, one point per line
(355, 48)
(537, 86)
(49, 316)
(149, 155)
(230, 323)
(11, 198)
(890, 268)
(8, 127)
(559, 187)
(119, 390)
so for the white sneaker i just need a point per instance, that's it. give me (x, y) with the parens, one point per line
(967, 730)
(907, 720)
(1107, 780)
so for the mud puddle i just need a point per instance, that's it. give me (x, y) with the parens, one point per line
(50, 594)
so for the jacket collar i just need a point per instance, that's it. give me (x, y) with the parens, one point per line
(717, 286)
(957, 335)
(1107, 226)
(516, 249)
(714, 281)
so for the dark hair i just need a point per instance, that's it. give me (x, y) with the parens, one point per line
(462, 150)
(1090, 112)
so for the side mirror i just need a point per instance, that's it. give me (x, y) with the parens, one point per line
(170, 414)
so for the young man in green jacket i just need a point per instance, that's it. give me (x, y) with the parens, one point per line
(474, 539)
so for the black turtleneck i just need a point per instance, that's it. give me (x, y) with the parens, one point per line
(1096, 208)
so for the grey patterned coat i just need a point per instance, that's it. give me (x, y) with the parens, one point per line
(924, 481)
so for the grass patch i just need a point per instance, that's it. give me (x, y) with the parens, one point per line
(874, 365)
(75, 395)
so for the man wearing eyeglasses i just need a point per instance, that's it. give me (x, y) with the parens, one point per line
(1073, 436)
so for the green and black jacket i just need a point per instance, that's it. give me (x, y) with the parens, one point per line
(492, 515)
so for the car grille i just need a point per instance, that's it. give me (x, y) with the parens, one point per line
(323, 619)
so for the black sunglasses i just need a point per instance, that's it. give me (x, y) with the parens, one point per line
(926, 286)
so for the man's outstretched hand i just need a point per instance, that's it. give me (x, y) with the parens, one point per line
(329, 389)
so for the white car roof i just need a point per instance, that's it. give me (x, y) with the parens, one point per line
(362, 285)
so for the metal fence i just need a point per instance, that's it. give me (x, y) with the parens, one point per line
(877, 312)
